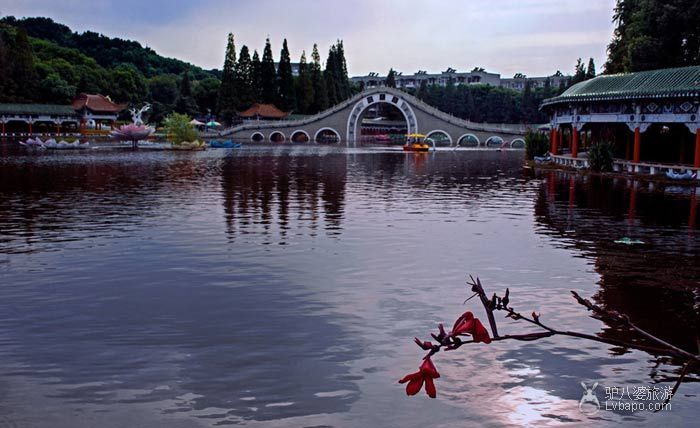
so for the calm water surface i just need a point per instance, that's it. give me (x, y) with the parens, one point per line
(283, 286)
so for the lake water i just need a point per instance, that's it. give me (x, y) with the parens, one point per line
(283, 286)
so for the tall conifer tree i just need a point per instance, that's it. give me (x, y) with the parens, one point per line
(268, 77)
(228, 100)
(285, 80)
(244, 79)
(318, 82)
(255, 67)
(305, 89)
(329, 75)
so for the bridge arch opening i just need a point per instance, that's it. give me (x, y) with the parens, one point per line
(494, 141)
(440, 137)
(468, 140)
(517, 143)
(327, 136)
(382, 123)
(372, 105)
(257, 137)
(277, 137)
(300, 136)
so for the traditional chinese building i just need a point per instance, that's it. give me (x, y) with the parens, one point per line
(651, 117)
(96, 109)
(25, 118)
(86, 109)
(264, 112)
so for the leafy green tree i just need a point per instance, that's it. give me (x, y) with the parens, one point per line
(163, 89)
(318, 83)
(579, 72)
(185, 103)
(652, 34)
(22, 68)
(128, 84)
(285, 97)
(268, 76)
(391, 78)
(178, 127)
(56, 90)
(185, 85)
(304, 86)
(228, 99)
(205, 93)
(244, 79)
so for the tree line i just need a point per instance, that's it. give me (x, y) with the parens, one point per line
(45, 62)
(249, 79)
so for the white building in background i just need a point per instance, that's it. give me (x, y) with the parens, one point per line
(478, 76)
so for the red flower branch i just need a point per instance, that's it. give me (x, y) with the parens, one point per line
(468, 325)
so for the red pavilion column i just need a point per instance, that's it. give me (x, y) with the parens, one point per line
(574, 141)
(58, 129)
(3, 128)
(555, 142)
(696, 163)
(30, 128)
(637, 144)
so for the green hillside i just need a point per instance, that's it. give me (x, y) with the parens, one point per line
(46, 62)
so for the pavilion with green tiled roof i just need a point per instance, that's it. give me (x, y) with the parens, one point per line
(661, 104)
(54, 114)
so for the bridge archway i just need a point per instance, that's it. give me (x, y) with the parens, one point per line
(440, 137)
(468, 140)
(257, 137)
(300, 136)
(277, 137)
(494, 141)
(327, 136)
(381, 97)
(517, 143)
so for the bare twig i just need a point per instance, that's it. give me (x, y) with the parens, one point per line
(616, 317)
(477, 288)
(684, 372)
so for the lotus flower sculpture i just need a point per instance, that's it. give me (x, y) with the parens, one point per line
(133, 133)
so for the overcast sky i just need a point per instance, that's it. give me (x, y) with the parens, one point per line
(535, 37)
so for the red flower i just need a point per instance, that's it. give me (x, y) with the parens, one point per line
(426, 373)
(467, 324)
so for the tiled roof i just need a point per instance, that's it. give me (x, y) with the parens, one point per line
(681, 82)
(264, 110)
(97, 102)
(37, 109)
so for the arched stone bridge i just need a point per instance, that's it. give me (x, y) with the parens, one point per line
(343, 122)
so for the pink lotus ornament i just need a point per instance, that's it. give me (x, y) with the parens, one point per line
(133, 133)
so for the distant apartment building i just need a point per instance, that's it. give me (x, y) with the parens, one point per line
(476, 76)
(295, 68)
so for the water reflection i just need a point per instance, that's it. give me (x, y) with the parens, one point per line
(282, 286)
(274, 191)
(656, 283)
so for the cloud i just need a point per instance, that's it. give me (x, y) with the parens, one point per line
(532, 36)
